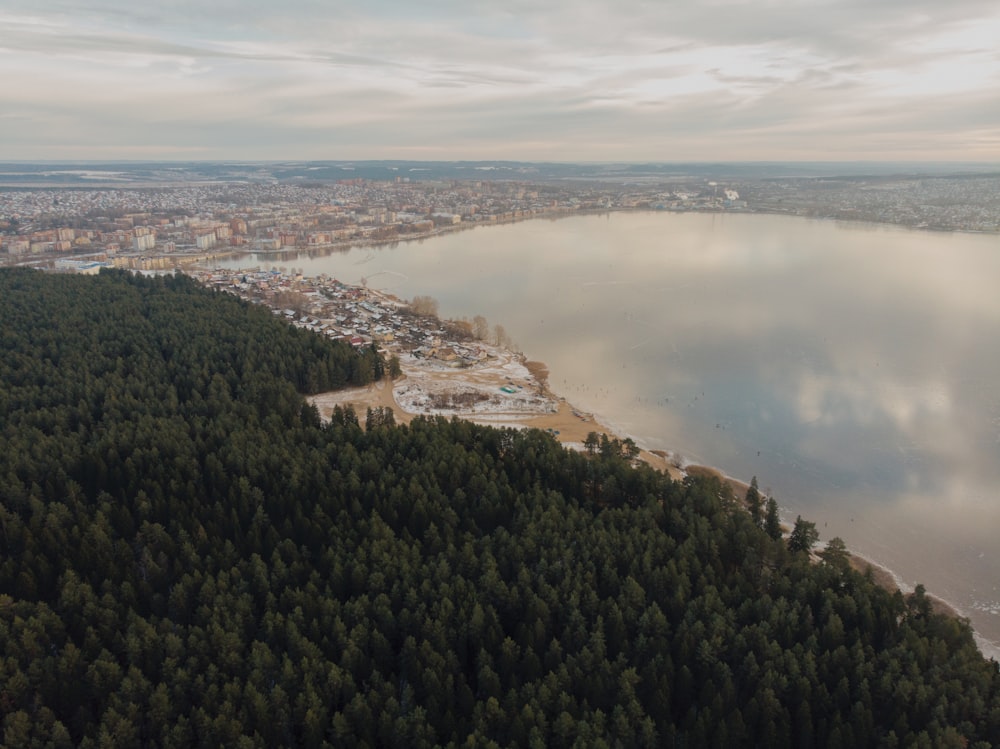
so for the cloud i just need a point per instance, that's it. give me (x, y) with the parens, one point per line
(634, 80)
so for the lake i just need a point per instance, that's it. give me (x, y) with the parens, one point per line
(853, 368)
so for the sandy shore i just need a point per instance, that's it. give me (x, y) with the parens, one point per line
(428, 387)
(884, 578)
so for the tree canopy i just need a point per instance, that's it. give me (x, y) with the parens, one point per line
(189, 557)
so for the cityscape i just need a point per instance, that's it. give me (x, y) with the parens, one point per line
(174, 218)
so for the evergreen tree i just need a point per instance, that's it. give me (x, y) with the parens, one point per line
(755, 503)
(772, 525)
(803, 536)
(189, 557)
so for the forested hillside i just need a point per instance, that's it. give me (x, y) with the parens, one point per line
(188, 557)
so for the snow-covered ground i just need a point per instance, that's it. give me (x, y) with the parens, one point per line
(434, 387)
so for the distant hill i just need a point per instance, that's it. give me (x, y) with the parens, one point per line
(126, 174)
(188, 557)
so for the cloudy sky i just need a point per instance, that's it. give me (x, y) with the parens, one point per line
(554, 80)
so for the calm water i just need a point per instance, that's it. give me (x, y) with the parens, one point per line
(854, 369)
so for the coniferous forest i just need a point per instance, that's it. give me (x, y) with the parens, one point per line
(189, 557)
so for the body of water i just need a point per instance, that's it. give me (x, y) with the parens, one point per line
(854, 369)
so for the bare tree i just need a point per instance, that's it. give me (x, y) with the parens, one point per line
(480, 327)
(500, 337)
(424, 305)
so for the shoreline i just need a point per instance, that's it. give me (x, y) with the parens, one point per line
(883, 576)
(550, 215)
(887, 579)
(536, 405)
(569, 426)
(553, 413)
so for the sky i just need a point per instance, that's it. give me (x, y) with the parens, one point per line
(533, 80)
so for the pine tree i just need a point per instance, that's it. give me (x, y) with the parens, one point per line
(772, 524)
(755, 503)
(803, 535)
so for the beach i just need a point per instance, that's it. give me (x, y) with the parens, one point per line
(480, 394)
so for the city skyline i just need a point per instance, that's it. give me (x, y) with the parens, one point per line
(719, 81)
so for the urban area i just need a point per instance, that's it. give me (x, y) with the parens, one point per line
(166, 226)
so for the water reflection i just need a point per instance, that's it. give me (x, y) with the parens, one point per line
(852, 368)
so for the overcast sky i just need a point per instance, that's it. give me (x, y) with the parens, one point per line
(553, 80)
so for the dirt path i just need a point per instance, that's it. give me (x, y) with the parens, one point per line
(376, 395)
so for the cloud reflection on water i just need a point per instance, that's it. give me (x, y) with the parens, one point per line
(852, 368)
